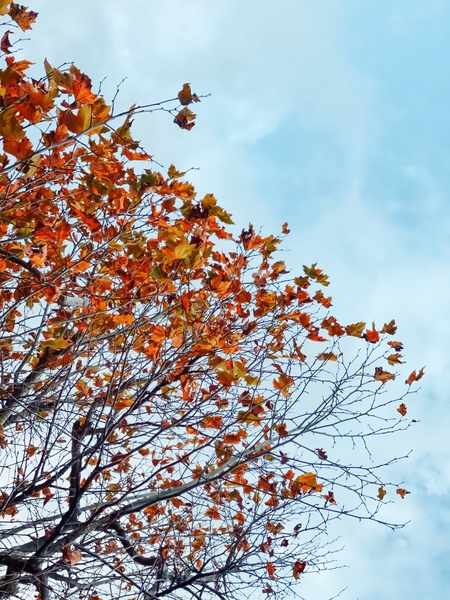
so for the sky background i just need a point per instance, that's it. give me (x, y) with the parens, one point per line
(334, 116)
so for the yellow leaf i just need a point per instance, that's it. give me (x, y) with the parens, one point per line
(123, 319)
(4, 6)
(57, 343)
(356, 329)
(327, 356)
(123, 403)
(183, 249)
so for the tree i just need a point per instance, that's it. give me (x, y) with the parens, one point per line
(175, 407)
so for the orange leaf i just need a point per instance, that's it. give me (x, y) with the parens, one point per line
(402, 492)
(185, 96)
(308, 483)
(415, 376)
(372, 335)
(298, 568)
(397, 346)
(70, 556)
(329, 498)
(381, 493)
(212, 513)
(389, 328)
(383, 376)
(123, 319)
(271, 570)
(21, 16)
(402, 409)
(158, 334)
(185, 119)
(281, 430)
(123, 403)
(210, 422)
(82, 90)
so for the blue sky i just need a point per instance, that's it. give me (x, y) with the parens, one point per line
(334, 116)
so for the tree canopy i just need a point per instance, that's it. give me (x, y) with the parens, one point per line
(176, 407)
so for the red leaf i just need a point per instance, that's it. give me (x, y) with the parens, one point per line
(298, 568)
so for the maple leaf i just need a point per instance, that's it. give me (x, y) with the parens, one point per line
(383, 376)
(372, 335)
(381, 493)
(402, 492)
(397, 346)
(402, 409)
(415, 376)
(71, 556)
(356, 329)
(389, 328)
(211, 422)
(212, 513)
(5, 44)
(298, 568)
(327, 356)
(23, 17)
(308, 483)
(316, 274)
(185, 96)
(329, 498)
(271, 570)
(321, 454)
(394, 359)
(185, 119)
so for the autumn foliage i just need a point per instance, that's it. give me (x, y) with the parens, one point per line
(176, 408)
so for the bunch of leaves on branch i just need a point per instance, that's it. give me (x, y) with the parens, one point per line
(176, 409)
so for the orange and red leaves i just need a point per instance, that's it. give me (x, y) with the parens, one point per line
(211, 422)
(298, 568)
(415, 376)
(57, 233)
(383, 376)
(185, 95)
